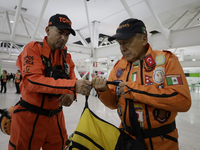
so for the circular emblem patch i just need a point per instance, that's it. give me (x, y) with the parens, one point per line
(159, 75)
(119, 110)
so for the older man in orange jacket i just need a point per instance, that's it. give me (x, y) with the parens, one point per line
(48, 83)
(152, 81)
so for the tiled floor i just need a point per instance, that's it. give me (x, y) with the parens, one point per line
(188, 123)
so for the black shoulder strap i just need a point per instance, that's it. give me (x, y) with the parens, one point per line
(64, 63)
(133, 119)
(46, 61)
(86, 101)
(135, 125)
(65, 53)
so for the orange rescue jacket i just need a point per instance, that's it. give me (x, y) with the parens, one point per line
(34, 82)
(157, 85)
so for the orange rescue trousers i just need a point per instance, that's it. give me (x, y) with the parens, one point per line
(48, 133)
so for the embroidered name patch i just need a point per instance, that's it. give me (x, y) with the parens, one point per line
(174, 79)
(27, 70)
(28, 60)
(158, 75)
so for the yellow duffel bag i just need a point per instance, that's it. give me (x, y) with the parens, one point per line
(94, 133)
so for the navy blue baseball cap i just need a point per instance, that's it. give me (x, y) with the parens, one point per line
(61, 21)
(128, 28)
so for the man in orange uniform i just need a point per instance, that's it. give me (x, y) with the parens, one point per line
(48, 83)
(152, 81)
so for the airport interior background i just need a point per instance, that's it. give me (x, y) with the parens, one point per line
(172, 25)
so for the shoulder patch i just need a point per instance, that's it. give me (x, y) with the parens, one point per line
(160, 60)
(174, 79)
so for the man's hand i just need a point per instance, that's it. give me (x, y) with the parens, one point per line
(121, 88)
(66, 99)
(83, 87)
(99, 83)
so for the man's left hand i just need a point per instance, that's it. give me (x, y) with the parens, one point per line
(66, 99)
(121, 88)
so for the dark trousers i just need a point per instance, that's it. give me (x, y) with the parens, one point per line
(17, 88)
(3, 85)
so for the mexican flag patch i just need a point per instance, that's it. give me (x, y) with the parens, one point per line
(174, 79)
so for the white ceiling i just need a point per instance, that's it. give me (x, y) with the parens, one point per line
(109, 13)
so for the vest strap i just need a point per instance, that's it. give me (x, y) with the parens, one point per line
(161, 131)
(38, 110)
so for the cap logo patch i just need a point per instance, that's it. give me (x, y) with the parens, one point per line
(144, 30)
(123, 25)
(65, 20)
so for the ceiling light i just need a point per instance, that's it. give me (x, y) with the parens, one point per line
(113, 57)
(22, 8)
(198, 19)
(11, 21)
(14, 54)
(193, 59)
(87, 60)
(11, 61)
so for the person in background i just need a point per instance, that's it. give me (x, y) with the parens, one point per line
(48, 83)
(8, 77)
(151, 82)
(12, 77)
(18, 78)
(4, 79)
